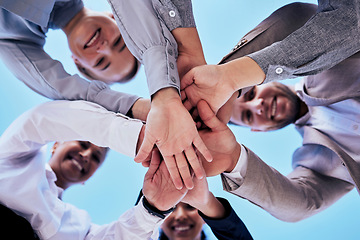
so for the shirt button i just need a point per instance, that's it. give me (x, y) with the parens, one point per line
(279, 70)
(172, 13)
(173, 79)
(171, 65)
(170, 52)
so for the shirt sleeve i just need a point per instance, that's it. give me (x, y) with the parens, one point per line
(291, 198)
(149, 40)
(67, 121)
(325, 40)
(136, 223)
(46, 76)
(175, 13)
(229, 227)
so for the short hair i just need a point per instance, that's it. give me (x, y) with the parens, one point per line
(86, 73)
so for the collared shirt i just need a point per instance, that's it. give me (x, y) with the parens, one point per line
(340, 121)
(28, 183)
(23, 28)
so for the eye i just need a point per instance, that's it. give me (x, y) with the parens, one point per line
(118, 40)
(84, 145)
(101, 60)
(250, 94)
(96, 158)
(189, 207)
(248, 116)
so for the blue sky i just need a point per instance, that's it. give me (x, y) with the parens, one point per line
(114, 188)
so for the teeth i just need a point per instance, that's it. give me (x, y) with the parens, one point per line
(273, 109)
(93, 39)
(182, 228)
(77, 164)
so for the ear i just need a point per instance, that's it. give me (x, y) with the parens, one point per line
(110, 14)
(76, 61)
(56, 144)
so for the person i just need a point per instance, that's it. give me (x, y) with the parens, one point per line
(301, 53)
(155, 48)
(34, 187)
(166, 29)
(186, 221)
(324, 108)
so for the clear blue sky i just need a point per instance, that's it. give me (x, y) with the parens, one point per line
(114, 188)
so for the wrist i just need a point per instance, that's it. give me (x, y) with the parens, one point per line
(163, 96)
(140, 109)
(213, 208)
(243, 72)
(234, 158)
(150, 207)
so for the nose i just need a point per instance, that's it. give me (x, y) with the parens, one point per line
(103, 47)
(180, 213)
(85, 155)
(257, 106)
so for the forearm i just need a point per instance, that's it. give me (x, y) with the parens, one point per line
(291, 198)
(64, 121)
(30, 64)
(150, 41)
(229, 226)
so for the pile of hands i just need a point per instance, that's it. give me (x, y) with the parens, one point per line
(187, 138)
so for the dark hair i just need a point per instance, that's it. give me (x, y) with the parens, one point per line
(164, 237)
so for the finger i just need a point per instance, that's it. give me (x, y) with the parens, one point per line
(174, 172)
(154, 163)
(195, 114)
(187, 79)
(194, 163)
(187, 104)
(208, 116)
(184, 170)
(200, 146)
(183, 95)
(146, 164)
(144, 151)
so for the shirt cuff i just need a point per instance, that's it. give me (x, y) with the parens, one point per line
(234, 179)
(160, 67)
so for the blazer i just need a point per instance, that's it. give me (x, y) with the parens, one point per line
(304, 192)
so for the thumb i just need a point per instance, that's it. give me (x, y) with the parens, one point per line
(187, 79)
(145, 150)
(208, 116)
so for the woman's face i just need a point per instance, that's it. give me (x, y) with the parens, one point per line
(183, 224)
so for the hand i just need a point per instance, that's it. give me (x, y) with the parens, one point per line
(158, 188)
(217, 83)
(206, 82)
(171, 128)
(220, 141)
(202, 199)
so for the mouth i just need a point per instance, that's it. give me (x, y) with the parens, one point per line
(273, 109)
(77, 163)
(181, 229)
(93, 40)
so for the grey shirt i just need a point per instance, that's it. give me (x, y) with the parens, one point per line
(329, 37)
(23, 28)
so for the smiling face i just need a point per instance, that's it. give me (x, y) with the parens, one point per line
(183, 224)
(75, 161)
(266, 107)
(99, 49)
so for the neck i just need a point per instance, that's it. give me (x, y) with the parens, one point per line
(303, 109)
(74, 21)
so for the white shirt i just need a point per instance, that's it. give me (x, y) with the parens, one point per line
(27, 183)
